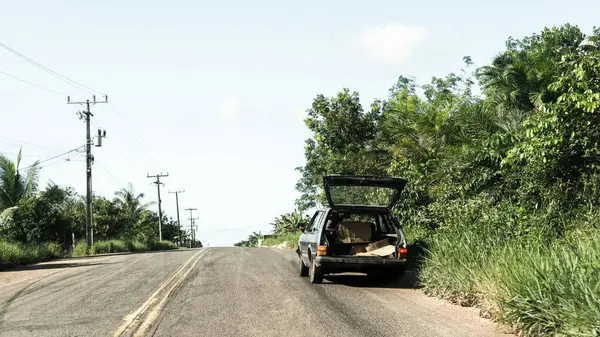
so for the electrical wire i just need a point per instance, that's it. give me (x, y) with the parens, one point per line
(15, 154)
(126, 127)
(33, 84)
(119, 180)
(52, 72)
(57, 156)
(78, 86)
(21, 143)
(67, 160)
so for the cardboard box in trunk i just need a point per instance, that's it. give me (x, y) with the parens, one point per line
(358, 248)
(354, 232)
(383, 251)
(378, 244)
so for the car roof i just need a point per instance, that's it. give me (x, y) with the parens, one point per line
(373, 211)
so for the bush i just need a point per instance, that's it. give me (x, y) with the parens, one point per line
(111, 246)
(80, 249)
(14, 254)
(136, 246)
(162, 245)
(118, 246)
(290, 238)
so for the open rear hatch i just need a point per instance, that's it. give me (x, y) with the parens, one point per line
(345, 192)
(365, 195)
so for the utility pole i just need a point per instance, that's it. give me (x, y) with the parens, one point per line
(193, 231)
(86, 115)
(158, 183)
(191, 223)
(177, 204)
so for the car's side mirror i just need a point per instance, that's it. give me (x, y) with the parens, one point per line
(301, 226)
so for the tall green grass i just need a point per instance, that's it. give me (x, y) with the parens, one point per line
(121, 246)
(541, 288)
(14, 254)
(161, 245)
(290, 238)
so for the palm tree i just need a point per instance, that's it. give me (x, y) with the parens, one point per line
(131, 203)
(253, 239)
(13, 184)
(287, 223)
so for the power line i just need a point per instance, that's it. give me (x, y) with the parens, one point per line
(30, 83)
(121, 127)
(148, 153)
(21, 143)
(16, 154)
(67, 160)
(111, 174)
(51, 72)
(57, 156)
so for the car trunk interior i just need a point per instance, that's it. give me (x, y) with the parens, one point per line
(360, 239)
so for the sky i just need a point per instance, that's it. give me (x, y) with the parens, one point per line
(214, 93)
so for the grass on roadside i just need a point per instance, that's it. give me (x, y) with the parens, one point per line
(537, 289)
(14, 254)
(290, 238)
(120, 246)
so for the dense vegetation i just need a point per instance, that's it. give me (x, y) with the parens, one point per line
(285, 229)
(504, 185)
(37, 225)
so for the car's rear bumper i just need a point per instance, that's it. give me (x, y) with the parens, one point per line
(335, 264)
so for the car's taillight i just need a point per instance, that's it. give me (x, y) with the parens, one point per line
(402, 252)
(321, 250)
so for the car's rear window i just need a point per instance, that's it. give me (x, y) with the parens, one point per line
(362, 195)
(383, 222)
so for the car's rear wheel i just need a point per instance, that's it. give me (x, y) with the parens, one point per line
(316, 273)
(303, 269)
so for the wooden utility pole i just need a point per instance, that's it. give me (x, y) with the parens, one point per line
(191, 223)
(158, 183)
(177, 205)
(193, 228)
(86, 115)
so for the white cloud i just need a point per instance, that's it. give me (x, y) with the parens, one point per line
(229, 108)
(235, 109)
(393, 42)
(299, 115)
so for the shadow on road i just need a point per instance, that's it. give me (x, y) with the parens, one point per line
(132, 253)
(60, 265)
(409, 281)
(416, 253)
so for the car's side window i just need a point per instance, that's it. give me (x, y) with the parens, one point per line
(310, 225)
(317, 222)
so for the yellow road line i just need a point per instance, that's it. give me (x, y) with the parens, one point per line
(152, 306)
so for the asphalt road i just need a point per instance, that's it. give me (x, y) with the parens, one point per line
(216, 292)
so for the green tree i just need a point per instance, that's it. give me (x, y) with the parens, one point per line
(146, 229)
(15, 185)
(131, 206)
(288, 223)
(343, 142)
(560, 151)
(253, 239)
(48, 216)
(518, 78)
(110, 221)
